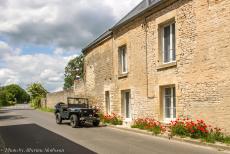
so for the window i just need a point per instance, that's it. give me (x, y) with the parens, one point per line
(169, 94)
(123, 60)
(126, 104)
(107, 102)
(168, 43)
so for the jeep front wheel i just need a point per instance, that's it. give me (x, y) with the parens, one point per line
(58, 118)
(74, 122)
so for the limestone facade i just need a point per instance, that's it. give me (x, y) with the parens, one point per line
(200, 75)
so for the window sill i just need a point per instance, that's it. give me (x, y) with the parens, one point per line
(166, 66)
(121, 76)
(128, 120)
(168, 121)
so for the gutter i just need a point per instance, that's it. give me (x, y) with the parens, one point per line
(97, 41)
(139, 14)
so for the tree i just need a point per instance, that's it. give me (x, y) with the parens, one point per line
(37, 92)
(3, 100)
(13, 94)
(74, 68)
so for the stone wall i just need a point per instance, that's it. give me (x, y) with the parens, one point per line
(209, 75)
(201, 73)
(79, 88)
(53, 98)
(98, 74)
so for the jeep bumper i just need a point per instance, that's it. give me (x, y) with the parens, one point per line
(89, 119)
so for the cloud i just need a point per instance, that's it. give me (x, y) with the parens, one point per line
(6, 50)
(25, 69)
(67, 24)
(7, 76)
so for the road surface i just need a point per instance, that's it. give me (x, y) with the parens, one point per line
(26, 130)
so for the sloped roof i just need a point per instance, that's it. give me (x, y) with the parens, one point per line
(145, 4)
(97, 40)
(141, 7)
(138, 9)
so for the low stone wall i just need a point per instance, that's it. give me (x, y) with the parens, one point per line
(53, 98)
(79, 88)
(43, 102)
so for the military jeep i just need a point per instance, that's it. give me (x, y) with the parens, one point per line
(78, 111)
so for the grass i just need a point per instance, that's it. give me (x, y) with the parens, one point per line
(46, 109)
(227, 140)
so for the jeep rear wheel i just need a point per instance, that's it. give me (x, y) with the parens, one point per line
(74, 122)
(58, 118)
(96, 123)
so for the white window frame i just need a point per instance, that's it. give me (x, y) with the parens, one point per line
(166, 119)
(171, 44)
(108, 106)
(123, 57)
(124, 105)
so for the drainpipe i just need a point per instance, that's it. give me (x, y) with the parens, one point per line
(145, 26)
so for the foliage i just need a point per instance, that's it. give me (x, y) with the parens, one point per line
(3, 98)
(36, 102)
(227, 140)
(197, 129)
(187, 127)
(113, 119)
(16, 94)
(37, 92)
(74, 68)
(46, 109)
(149, 124)
(179, 129)
(13, 94)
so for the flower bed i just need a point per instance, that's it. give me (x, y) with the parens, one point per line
(149, 124)
(113, 119)
(185, 127)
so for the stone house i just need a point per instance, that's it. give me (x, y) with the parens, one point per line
(164, 59)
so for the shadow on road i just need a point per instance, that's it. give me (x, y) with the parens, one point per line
(32, 138)
(11, 117)
(86, 125)
(3, 111)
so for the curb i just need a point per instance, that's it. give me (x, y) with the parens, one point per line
(218, 146)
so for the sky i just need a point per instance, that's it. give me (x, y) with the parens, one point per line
(39, 37)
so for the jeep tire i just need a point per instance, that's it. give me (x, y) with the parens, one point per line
(58, 118)
(74, 122)
(96, 123)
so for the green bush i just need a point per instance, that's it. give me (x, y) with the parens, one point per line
(12, 94)
(140, 125)
(210, 138)
(156, 130)
(180, 130)
(226, 139)
(149, 124)
(46, 109)
(111, 119)
(36, 102)
(3, 98)
(198, 130)
(116, 121)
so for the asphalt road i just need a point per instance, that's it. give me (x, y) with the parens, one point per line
(29, 131)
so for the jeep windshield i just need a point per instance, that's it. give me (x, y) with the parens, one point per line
(77, 102)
